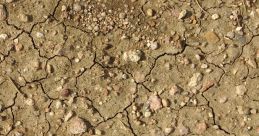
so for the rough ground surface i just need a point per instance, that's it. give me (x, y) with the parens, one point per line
(129, 67)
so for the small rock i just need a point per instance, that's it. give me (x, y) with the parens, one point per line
(204, 66)
(183, 130)
(77, 126)
(168, 130)
(211, 37)
(230, 35)
(39, 35)
(3, 36)
(68, 116)
(150, 12)
(223, 99)
(77, 7)
(9, 1)
(165, 102)
(133, 56)
(29, 101)
(174, 89)
(153, 45)
(155, 102)
(50, 68)
(182, 14)
(18, 47)
(65, 92)
(147, 114)
(253, 111)
(201, 127)
(3, 12)
(98, 132)
(215, 16)
(195, 79)
(24, 18)
(122, 15)
(240, 90)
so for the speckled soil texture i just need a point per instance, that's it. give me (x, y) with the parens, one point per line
(129, 67)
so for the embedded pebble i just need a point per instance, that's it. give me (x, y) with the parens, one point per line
(3, 12)
(68, 115)
(182, 14)
(183, 130)
(153, 45)
(77, 7)
(150, 12)
(29, 102)
(168, 130)
(3, 36)
(240, 90)
(133, 56)
(195, 79)
(215, 16)
(147, 114)
(98, 132)
(24, 18)
(77, 126)
(201, 127)
(174, 89)
(155, 102)
(211, 37)
(165, 102)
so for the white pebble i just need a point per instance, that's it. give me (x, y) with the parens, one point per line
(215, 16)
(77, 126)
(133, 56)
(68, 116)
(3, 36)
(153, 45)
(182, 14)
(195, 79)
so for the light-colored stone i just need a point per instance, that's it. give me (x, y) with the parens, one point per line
(182, 14)
(240, 90)
(77, 126)
(3, 12)
(195, 79)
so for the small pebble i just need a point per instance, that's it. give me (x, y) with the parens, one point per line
(155, 102)
(240, 90)
(77, 7)
(183, 130)
(201, 127)
(133, 56)
(182, 14)
(215, 16)
(195, 79)
(168, 130)
(3, 36)
(24, 18)
(77, 126)
(211, 37)
(147, 114)
(3, 12)
(165, 102)
(150, 12)
(29, 101)
(174, 89)
(68, 115)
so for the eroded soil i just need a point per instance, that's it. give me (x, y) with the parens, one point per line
(129, 67)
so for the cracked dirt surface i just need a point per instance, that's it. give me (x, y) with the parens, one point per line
(129, 67)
